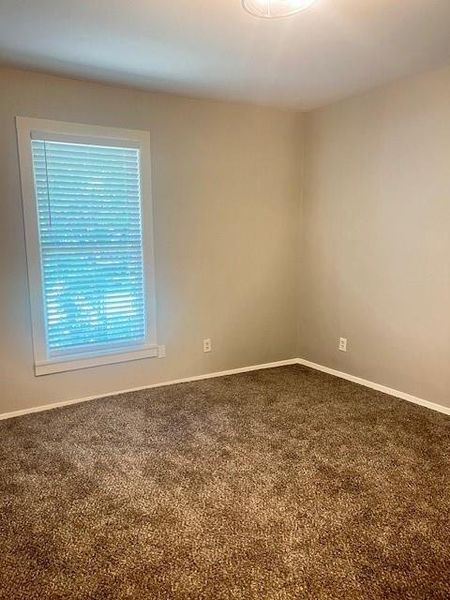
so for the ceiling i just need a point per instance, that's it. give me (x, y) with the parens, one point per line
(214, 49)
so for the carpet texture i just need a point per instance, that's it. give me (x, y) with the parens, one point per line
(277, 484)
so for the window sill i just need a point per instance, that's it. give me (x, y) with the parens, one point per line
(60, 365)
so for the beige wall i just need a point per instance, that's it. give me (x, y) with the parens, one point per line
(241, 257)
(226, 181)
(376, 236)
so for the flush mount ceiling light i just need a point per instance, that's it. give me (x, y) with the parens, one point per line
(273, 9)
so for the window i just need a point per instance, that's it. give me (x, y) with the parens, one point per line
(88, 222)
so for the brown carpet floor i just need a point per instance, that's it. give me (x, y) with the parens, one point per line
(277, 484)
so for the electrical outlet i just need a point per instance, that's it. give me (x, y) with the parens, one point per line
(207, 345)
(343, 344)
(161, 352)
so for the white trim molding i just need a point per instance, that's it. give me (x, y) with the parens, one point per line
(37, 409)
(46, 359)
(281, 363)
(375, 386)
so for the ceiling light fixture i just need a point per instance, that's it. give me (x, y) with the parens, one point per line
(274, 9)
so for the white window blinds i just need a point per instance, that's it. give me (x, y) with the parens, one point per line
(91, 246)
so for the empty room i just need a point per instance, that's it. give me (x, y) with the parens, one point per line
(225, 300)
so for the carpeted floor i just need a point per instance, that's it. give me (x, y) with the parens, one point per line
(277, 484)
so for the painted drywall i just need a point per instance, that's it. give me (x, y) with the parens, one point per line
(245, 252)
(375, 241)
(333, 49)
(226, 185)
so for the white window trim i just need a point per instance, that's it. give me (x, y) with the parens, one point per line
(27, 128)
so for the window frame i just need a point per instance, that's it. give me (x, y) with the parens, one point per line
(28, 129)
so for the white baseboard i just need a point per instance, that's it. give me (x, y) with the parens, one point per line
(376, 386)
(281, 363)
(37, 409)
